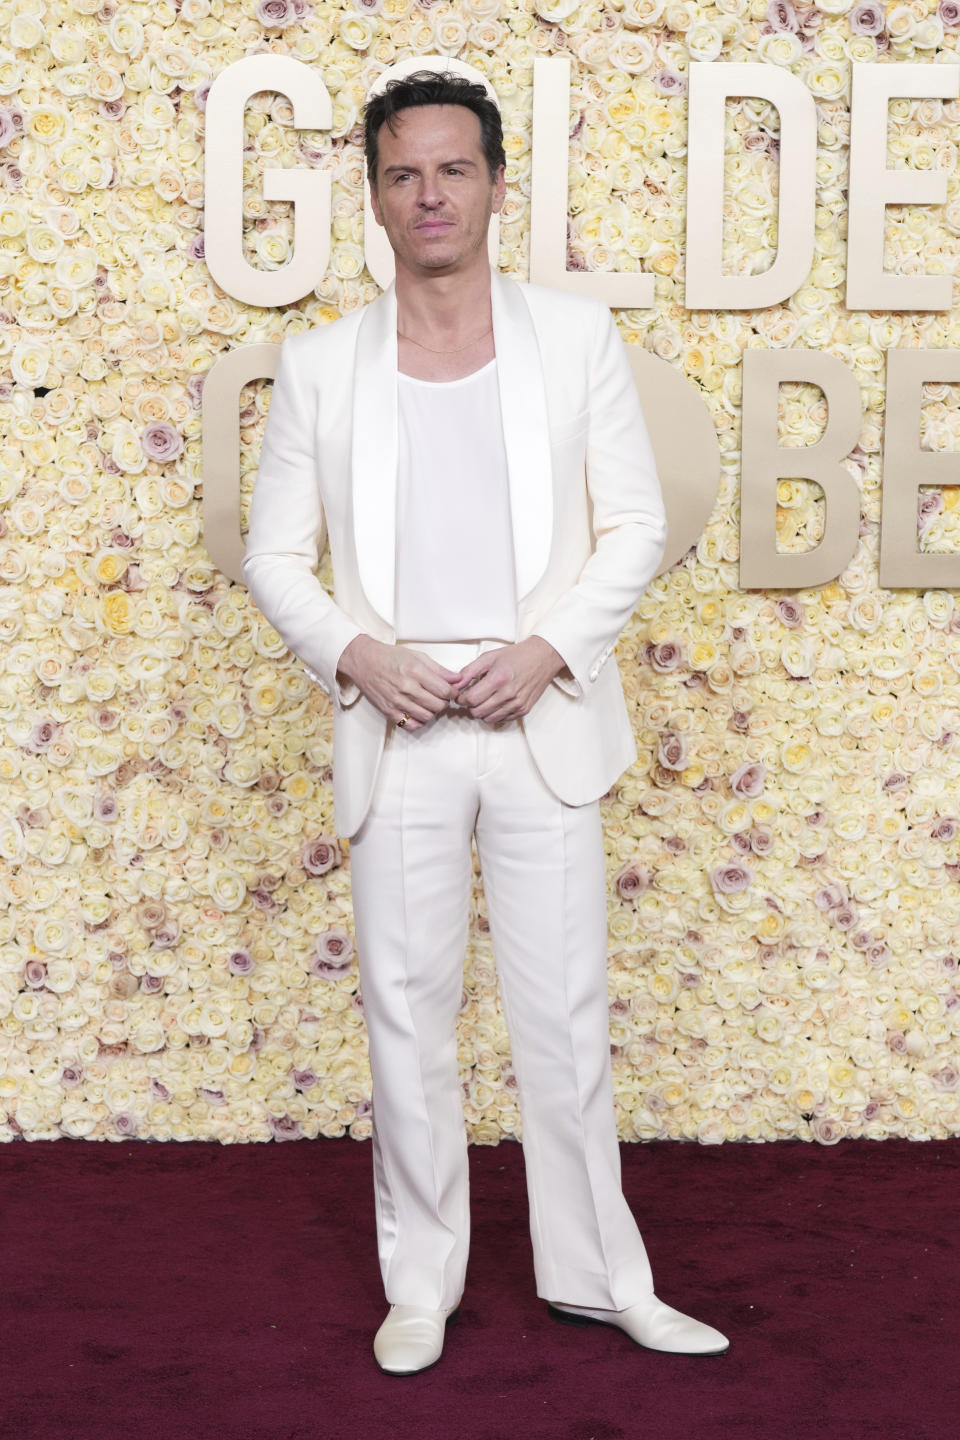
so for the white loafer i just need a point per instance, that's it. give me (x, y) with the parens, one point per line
(411, 1338)
(652, 1324)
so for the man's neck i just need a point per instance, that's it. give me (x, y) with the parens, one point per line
(444, 309)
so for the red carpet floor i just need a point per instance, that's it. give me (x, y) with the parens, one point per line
(231, 1293)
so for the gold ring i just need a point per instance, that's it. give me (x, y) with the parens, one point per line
(403, 719)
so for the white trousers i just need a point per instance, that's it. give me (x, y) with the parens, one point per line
(543, 872)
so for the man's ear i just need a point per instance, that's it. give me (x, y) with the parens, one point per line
(500, 189)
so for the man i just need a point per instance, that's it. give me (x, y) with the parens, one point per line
(477, 452)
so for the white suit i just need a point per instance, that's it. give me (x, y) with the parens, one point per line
(588, 533)
(583, 552)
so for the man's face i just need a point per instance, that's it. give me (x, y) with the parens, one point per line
(434, 195)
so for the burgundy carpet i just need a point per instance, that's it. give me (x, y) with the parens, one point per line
(231, 1293)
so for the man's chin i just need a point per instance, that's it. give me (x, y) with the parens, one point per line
(436, 261)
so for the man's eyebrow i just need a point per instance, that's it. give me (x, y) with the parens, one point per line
(402, 169)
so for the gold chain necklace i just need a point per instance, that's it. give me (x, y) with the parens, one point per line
(455, 351)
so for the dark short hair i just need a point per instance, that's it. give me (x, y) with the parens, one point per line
(433, 87)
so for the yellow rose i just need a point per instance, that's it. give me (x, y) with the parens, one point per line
(117, 612)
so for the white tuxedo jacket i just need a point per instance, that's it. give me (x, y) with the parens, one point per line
(587, 516)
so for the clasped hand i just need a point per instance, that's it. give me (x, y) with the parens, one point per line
(499, 685)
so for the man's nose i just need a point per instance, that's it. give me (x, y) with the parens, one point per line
(430, 193)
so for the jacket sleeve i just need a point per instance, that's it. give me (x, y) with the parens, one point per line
(629, 521)
(285, 537)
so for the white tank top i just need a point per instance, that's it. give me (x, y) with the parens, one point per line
(455, 576)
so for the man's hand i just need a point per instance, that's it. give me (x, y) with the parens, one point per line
(398, 680)
(506, 683)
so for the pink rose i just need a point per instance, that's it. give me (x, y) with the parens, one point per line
(827, 1132)
(632, 881)
(332, 954)
(161, 441)
(790, 612)
(320, 855)
(749, 779)
(867, 18)
(672, 751)
(669, 82)
(275, 14)
(731, 878)
(105, 807)
(283, 1128)
(782, 16)
(666, 657)
(42, 735)
(830, 896)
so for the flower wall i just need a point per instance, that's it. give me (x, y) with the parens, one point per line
(176, 954)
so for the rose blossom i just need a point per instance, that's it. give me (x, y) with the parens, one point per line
(790, 612)
(160, 441)
(42, 735)
(748, 780)
(240, 962)
(275, 14)
(730, 878)
(320, 855)
(867, 18)
(668, 82)
(782, 16)
(844, 916)
(928, 505)
(284, 1128)
(672, 751)
(666, 657)
(105, 807)
(830, 896)
(332, 954)
(949, 12)
(632, 881)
